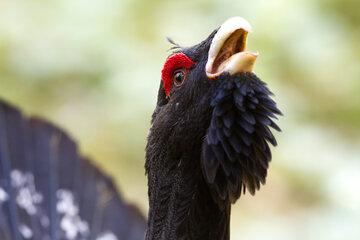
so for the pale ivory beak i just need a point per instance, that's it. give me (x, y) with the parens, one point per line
(227, 50)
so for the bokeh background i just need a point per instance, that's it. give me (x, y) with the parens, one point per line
(93, 67)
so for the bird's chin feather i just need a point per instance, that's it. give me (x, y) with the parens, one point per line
(235, 152)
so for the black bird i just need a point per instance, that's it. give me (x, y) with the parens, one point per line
(208, 143)
(209, 137)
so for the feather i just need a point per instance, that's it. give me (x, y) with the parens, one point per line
(240, 144)
(50, 192)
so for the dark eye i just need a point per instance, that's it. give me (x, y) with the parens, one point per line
(179, 77)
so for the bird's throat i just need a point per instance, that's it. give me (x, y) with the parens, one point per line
(180, 204)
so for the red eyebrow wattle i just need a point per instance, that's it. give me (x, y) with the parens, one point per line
(174, 62)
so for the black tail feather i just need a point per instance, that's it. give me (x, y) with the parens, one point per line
(48, 192)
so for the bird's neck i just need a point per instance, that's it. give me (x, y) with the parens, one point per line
(181, 206)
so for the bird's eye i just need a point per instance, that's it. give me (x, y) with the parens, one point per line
(179, 77)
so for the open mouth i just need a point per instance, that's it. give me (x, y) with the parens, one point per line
(227, 51)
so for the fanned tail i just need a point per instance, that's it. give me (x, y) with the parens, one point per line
(48, 191)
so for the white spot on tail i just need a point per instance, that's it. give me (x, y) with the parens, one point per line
(71, 223)
(44, 220)
(107, 236)
(27, 197)
(66, 204)
(3, 196)
(25, 231)
(29, 200)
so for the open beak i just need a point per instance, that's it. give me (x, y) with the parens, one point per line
(227, 51)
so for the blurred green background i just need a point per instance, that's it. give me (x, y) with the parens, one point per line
(93, 67)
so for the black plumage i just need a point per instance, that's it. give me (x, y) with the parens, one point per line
(235, 153)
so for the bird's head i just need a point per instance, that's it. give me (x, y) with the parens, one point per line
(211, 104)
